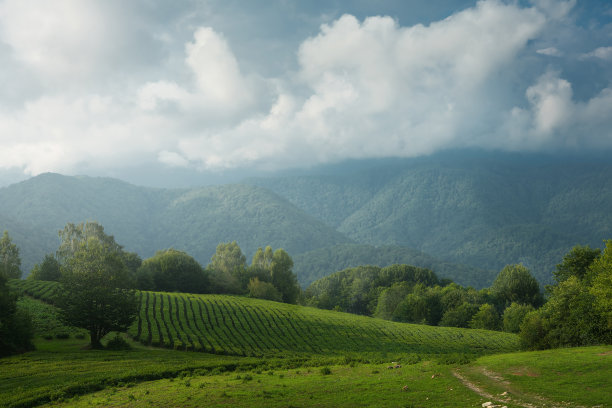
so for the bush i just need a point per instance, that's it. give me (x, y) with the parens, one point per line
(514, 316)
(118, 343)
(325, 371)
(62, 336)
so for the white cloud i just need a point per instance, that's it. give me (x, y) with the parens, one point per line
(369, 88)
(604, 53)
(550, 51)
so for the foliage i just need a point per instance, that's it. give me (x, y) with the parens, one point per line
(282, 276)
(601, 283)
(172, 270)
(516, 284)
(47, 270)
(459, 316)
(227, 267)
(485, 318)
(513, 316)
(576, 263)
(10, 262)
(263, 290)
(95, 295)
(15, 324)
(577, 311)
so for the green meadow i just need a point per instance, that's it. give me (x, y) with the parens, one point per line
(214, 350)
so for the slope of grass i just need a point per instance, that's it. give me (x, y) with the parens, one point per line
(242, 326)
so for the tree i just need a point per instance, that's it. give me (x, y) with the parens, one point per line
(390, 298)
(228, 267)
(515, 283)
(263, 290)
(172, 270)
(263, 259)
(514, 316)
(10, 262)
(459, 316)
(96, 295)
(576, 262)
(15, 324)
(72, 236)
(485, 318)
(283, 278)
(47, 270)
(600, 276)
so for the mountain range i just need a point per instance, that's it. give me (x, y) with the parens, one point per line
(465, 215)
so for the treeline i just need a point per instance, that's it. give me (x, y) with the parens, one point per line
(576, 310)
(410, 294)
(269, 276)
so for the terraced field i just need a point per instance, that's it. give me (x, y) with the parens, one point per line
(243, 326)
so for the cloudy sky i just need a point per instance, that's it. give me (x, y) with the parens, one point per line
(111, 87)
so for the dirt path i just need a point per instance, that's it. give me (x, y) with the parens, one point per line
(509, 398)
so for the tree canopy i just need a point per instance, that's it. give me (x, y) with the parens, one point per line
(172, 270)
(96, 287)
(10, 262)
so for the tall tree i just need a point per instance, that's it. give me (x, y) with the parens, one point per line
(10, 262)
(72, 236)
(515, 283)
(172, 270)
(96, 295)
(15, 325)
(576, 262)
(283, 277)
(47, 270)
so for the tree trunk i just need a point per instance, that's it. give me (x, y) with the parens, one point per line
(95, 340)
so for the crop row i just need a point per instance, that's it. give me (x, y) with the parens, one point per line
(243, 326)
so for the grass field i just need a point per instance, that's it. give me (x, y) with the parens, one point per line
(240, 326)
(281, 355)
(424, 384)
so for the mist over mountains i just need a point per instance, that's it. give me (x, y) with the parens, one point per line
(463, 214)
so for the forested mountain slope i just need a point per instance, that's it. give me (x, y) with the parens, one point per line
(145, 220)
(483, 210)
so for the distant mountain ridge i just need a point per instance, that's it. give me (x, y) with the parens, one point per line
(464, 215)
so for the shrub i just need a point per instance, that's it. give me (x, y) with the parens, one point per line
(62, 336)
(118, 343)
(325, 371)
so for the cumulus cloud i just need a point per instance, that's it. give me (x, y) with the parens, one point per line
(361, 88)
(604, 53)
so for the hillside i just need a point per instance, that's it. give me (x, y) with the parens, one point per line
(145, 220)
(234, 325)
(478, 209)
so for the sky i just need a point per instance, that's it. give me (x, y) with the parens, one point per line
(159, 91)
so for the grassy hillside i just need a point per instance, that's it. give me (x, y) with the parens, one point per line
(252, 327)
(478, 209)
(145, 220)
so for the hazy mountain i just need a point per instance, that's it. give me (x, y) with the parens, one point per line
(479, 209)
(145, 219)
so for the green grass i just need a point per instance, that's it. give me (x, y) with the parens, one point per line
(368, 385)
(233, 325)
(570, 376)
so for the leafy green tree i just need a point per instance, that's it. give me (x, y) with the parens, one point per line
(228, 268)
(96, 295)
(485, 318)
(10, 262)
(172, 270)
(72, 236)
(459, 316)
(47, 270)
(601, 283)
(390, 298)
(15, 325)
(283, 278)
(576, 263)
(513, 316)
(515, 283)
(263, 258)
(534, 331)
(263, 290)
